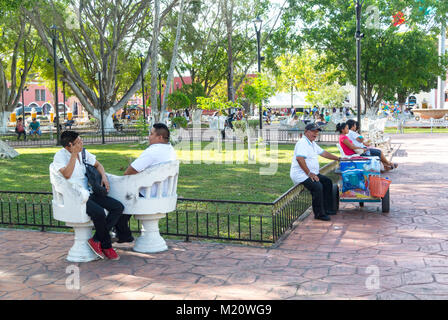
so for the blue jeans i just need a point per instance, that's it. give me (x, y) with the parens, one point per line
(35, 131)
(372, 152)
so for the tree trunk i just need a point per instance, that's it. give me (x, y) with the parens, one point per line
(113, 28)
(173, 59)
(154, 59)
(228, 12)
(4, 118)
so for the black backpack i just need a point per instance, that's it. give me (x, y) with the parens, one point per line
(93, 177)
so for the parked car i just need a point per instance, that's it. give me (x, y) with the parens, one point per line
(18, 110)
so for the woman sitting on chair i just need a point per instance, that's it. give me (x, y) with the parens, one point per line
(359, 142)
(350, 148)
(344, 141)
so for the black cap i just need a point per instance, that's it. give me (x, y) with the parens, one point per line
(312, 127)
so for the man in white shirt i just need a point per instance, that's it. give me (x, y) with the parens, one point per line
(305, 169)
(69, 162)
(159, 150)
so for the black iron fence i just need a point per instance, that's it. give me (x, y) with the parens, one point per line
(241, 221)
(132, 135)
(226, 220)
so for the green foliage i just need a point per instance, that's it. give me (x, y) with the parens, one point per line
(177, 101)
(193, 92)
(328, 26)
(180, 122)
(259, 91)
(330, 96)
(216, 103)
(142, 127)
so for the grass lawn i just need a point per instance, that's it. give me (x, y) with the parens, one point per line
(417, 130)
(199, 177)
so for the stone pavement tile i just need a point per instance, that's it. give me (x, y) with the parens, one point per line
(250, 264)
(213, 270)
(183, 268)
(93, 286)
(180, 277)
(350, 291)
(341, 269)
(395, 295)
(346, 279)
(295, 263)
(276, 280)
(242, 278)
(282, 292)
(134, 295)
(275, 271)
(436, 262)
(276, 261)
(441, 278)
(432, 297)
(211, 280)
(24, 294)
(54, 295)
(312, 288)
(316, 273)
(240, 292)
(150, 271)
(300, 254)
(429, 288)
(131, 283)
(417, 277)
(13, 286)
(410, 262)
(201, 294)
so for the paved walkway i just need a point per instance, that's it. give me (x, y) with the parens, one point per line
(360, 254)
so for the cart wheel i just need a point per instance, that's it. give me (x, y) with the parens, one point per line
(335, 197)
(385, 202)
(361, 204)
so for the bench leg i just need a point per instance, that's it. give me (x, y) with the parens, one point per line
(150, 240)
(80, 251)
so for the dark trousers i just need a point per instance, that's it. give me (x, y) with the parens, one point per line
(104, 224)
(19, 134)
(321, 193)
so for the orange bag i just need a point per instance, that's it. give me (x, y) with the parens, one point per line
(378, 186)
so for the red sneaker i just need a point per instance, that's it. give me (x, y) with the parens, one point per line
(96, 247)
(111, 254)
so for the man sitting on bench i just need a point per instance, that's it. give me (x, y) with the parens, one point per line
(305, 169)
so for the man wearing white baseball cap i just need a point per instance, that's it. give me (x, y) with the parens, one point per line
(305, 169)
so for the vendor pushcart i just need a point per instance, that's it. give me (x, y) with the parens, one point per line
(361, 182)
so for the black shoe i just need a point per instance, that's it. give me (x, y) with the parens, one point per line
(323, 218)
(331, 213)
(130, 239)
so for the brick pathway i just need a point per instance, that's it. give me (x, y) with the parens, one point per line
(360, 254)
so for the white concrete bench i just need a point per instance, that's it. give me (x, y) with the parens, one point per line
(149, 196)
(69, 205)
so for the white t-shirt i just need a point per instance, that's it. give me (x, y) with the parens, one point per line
(352, 135)
(310, 151)
(154, 154)
(61, 160)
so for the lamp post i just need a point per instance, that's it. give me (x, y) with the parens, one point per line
(143, 87)
(63, 94)
(23, 99)
(56, 102)
(100, 85)
(257, 25)
(358, 37)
